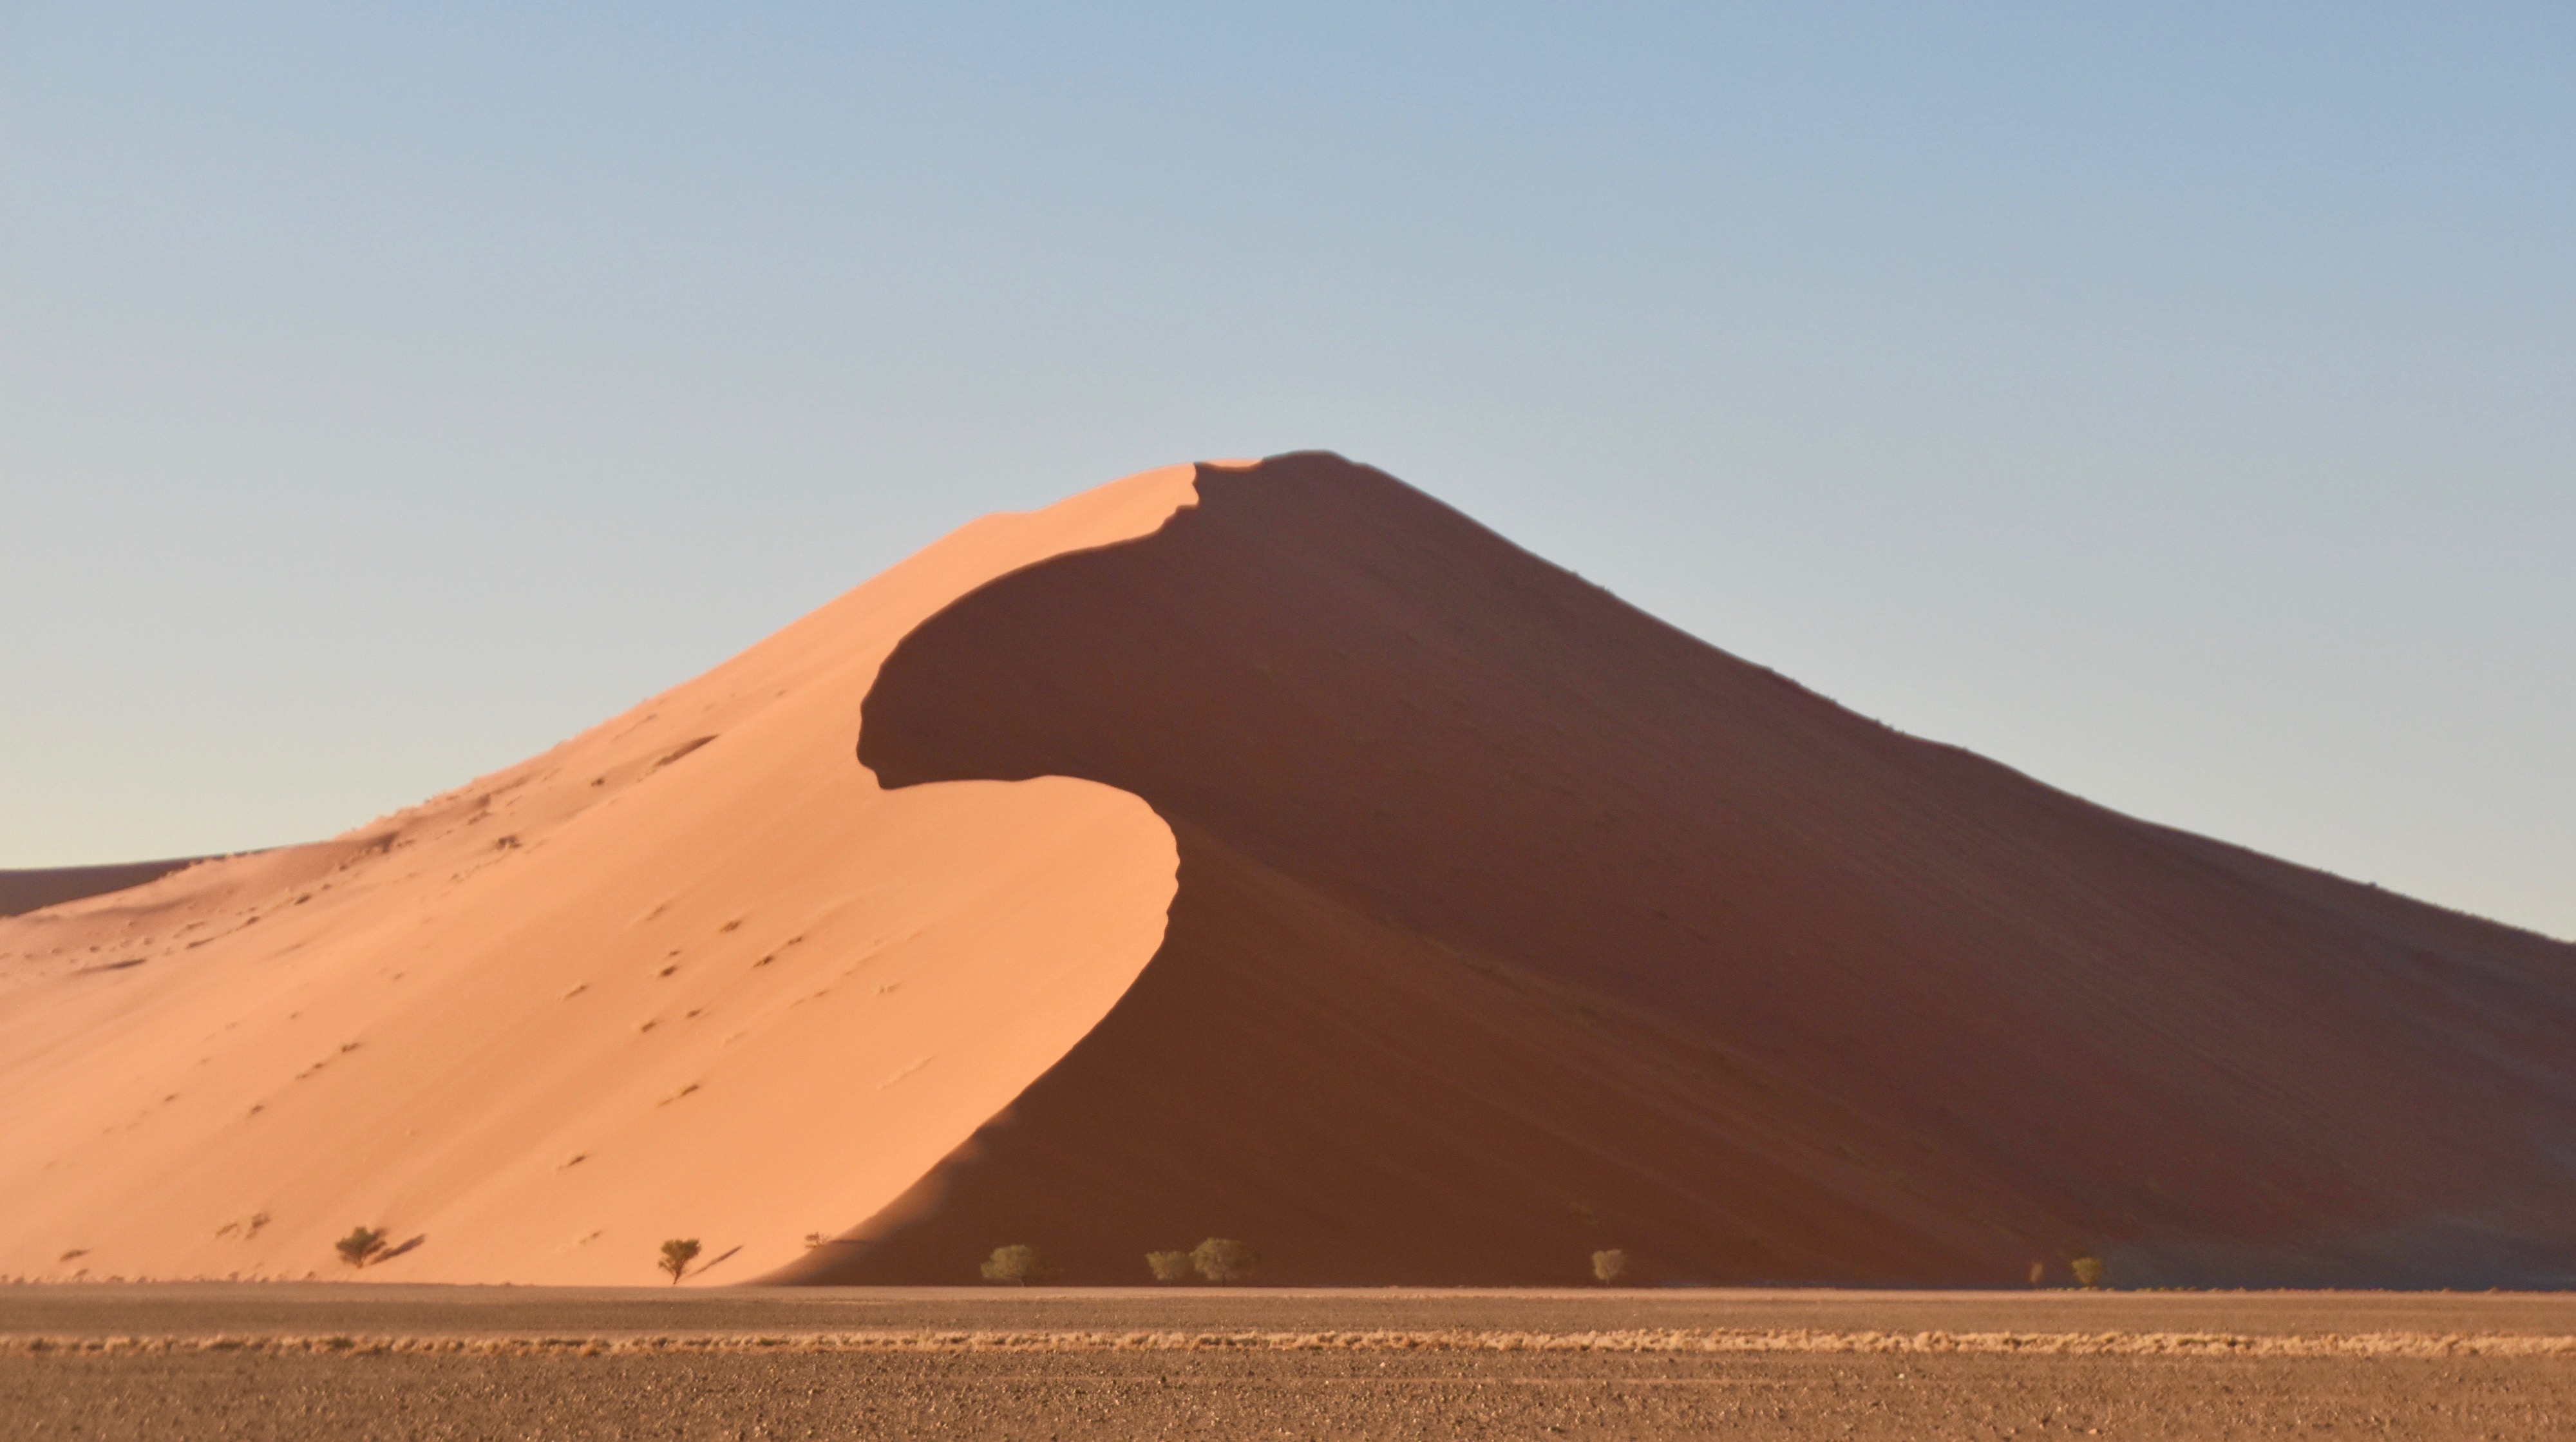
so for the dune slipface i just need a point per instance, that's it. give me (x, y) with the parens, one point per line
(691, 974)
(1268, 851)
(1513, 923)
(24, 891)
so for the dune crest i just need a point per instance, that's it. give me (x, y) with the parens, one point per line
(1264, 850)
(690, 974)
(1513, 924)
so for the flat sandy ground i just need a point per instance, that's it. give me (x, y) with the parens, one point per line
(422, 1362)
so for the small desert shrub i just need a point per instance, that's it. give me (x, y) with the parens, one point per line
(2088, 1271)
(1018, 1265)
(1609, 1265)
(1169, 1266)
(677, 1254)
(2038, 1273)
(360, 1246)
(1222, 1259)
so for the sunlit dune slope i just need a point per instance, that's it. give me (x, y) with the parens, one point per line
(690, 974)
(1268, 851)
(1513, 924)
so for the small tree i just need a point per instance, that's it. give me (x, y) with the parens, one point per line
(1609, 1265)
(1019, 1265)
(1222, 1259)
(677, 1254)
(1169, 1266)
(360, 1246)
(2088, 1272)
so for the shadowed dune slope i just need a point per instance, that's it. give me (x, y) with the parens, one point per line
(689, 974)
(1513, 923)
(25, 891)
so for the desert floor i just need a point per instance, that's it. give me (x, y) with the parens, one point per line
(403, 1362)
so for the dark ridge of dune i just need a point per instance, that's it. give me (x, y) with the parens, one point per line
(25, 891)
(1514, 924)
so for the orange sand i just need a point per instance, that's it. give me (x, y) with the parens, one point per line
(690, 973)
(1490, 921)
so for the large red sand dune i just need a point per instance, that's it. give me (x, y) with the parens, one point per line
(1272, 852)
(1513, 922)
(691, 974)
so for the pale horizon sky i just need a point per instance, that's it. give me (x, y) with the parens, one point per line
(2176, 403)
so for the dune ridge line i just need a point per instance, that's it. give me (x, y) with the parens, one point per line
(1590, 938)
(642, 986)
(1268, 856)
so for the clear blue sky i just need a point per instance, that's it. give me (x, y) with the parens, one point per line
(2177, 402)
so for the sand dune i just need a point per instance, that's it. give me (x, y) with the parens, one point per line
(689, 974)
(1266, 850)
(1514, 923)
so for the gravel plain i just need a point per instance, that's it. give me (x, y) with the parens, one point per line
(403, 1362)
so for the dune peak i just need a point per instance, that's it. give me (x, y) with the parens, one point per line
(1264, 850)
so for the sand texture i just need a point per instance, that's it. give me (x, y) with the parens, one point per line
(404, 1362)
(1265, 850)
(689, 974)
(1794, 1397)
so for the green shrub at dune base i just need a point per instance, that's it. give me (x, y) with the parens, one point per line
(1223, 1259)
(1019, 1265)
